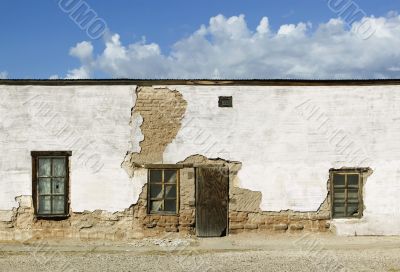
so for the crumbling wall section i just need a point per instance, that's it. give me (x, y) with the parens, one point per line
(284, 221)
(245, 214)
(97, 225)
(161, 110)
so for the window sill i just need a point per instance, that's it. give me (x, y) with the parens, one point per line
(52, 217)
(347, 219)
(163, 213)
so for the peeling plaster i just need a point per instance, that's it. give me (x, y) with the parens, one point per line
(139, 180)
(157, 115)
(137, 136)
(156, 118)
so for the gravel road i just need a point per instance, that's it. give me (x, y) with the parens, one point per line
(234, 253)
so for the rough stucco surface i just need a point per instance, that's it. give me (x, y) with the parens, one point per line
(90, 121)
(287, 139)
(279, 141)
(156, 119)
(159, 112)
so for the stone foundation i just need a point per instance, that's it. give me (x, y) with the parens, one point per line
(291, 222)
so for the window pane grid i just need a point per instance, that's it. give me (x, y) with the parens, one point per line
(165, 200)
(346, 198)
(56, 175)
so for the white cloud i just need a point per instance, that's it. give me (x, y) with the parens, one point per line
(292, 30)
(227, 48)
(3, 75)
(263, 27)
(82, 50)
(79, 73)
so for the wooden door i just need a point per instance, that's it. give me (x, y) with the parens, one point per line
(212, 194)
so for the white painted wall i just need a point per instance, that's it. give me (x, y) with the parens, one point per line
(288, 138)
(91, 121)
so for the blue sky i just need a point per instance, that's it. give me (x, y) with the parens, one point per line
(37, 36)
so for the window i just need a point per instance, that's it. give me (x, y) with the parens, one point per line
(162, 192)
(346, 191)
(50, 183)
(225, 101)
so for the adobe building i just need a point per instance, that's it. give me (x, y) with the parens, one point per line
(125, 159)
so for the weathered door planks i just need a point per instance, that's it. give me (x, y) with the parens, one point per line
(212, 195)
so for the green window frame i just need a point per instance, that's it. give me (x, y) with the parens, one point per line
(163, 191)
(50, 183)
(346, 193)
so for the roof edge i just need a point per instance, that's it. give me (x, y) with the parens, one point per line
(206, 82)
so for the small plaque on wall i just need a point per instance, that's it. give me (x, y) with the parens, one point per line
(225, 101)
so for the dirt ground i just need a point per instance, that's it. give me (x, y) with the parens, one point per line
(233, 253)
